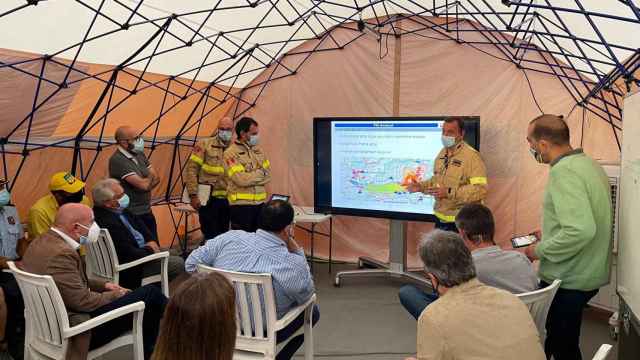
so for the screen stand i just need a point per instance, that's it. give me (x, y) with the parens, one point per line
(397, 266)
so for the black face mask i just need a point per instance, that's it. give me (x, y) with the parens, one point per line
(73, 198)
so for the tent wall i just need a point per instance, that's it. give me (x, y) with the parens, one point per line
(436, 78)
(64, 113)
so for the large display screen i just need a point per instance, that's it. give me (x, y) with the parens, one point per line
(363, 165)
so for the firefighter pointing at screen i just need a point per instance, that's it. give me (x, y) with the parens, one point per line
(459, 176)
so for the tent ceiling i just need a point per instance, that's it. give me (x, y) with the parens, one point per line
(201, 40)
(197, 56)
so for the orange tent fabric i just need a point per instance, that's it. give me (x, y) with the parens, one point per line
(66, 109)
(436, 78)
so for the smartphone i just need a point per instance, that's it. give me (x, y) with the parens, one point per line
(522, 241)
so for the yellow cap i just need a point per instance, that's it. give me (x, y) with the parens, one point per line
(65, 181)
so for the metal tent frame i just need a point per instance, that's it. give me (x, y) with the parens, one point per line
(594, 69)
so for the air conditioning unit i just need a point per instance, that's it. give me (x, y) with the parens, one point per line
(607, 299)
(612, 169)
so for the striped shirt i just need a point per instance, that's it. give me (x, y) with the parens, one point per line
(259, 252)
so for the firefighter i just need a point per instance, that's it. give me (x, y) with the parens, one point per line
(248, 171)
(459, 176)
(205, 168)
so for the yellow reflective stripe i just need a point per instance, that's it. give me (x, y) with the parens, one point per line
(235, 169)
(445, 218)
(266, 164)
(479, 180)
(196, 159)
(219, 193)
(212, 169)
(245, 196)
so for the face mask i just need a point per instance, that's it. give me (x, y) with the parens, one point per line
(434, 287)
(92, 235)
(5, 197)
(253, 140)
(123, 202)
(536, 155)
(224, 135)
(448, 141)
(74, 198)
(138, 145)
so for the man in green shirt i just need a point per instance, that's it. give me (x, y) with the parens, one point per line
(575, 244)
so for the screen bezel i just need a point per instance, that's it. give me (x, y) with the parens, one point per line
(394, 215)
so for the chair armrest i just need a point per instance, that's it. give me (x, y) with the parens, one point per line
(146, 259)
(294, 313)
(99, 320)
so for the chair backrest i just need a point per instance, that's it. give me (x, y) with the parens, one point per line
(603, 352)
(255, 304)
(45, 313)
(539, 302)
(102, 258)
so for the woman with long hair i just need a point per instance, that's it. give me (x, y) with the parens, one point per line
(199, 321)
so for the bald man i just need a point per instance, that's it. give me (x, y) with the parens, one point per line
(575, 244)
(55, 253)
(130, 165)
(204, 174)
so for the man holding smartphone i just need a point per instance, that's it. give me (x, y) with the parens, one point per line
(459, 176)
(575, 245)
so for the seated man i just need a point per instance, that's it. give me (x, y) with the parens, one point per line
(131, 237)
(65, 188)
(271, 250)
(505, 269)
(470, 320)
(56, 254)
(12, 246)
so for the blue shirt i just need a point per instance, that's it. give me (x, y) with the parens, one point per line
(259, 252)
(135, 233)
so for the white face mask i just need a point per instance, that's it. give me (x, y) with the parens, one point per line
(224, 135)
(253, 140)
(5, 197)
(138, 145)
(123, 202)
(92, 235)
(536, 155)
(448, 141)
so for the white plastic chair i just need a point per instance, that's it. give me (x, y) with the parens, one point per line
(254, 292)
(47, 322)
(539, 302)
(603, 352)
(102, 261)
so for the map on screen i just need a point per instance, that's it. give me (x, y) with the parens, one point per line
(373, 162)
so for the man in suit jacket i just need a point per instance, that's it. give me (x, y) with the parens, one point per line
(55, 253)
(131, 237)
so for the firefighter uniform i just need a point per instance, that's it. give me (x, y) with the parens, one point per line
(463, 174)
(205, 167)
(248, 170)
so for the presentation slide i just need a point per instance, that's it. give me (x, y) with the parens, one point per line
(373, 162)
